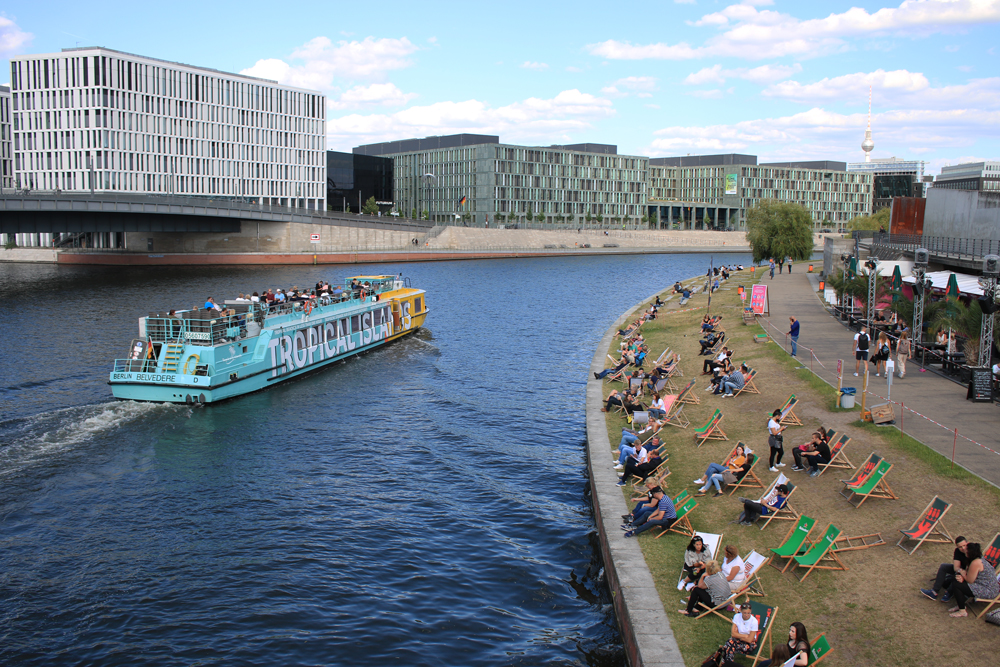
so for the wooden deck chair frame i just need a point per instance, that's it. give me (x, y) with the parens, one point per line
(757, 608)
(928, 527)
(712, 430)
(659, 359)
(748, 385)
(820, 551)
(815, 657)
(687, 394)
(752, 577)
(838, 459)
(991, 554)
(788, 416)
(675, 416)
(862, 473)
(795, 542)
(684, 504)
(787, 512)
(750, 480)
(635, 382)
(714, 352)
(874, 486)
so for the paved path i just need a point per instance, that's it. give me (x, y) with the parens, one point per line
(926, 393)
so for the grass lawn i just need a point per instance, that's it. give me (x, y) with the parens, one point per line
(872, 613)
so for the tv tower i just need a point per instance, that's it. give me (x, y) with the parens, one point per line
(867, 145)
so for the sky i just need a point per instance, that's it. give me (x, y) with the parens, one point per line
(781, 80)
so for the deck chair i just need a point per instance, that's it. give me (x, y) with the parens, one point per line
(684, 504)
(660, 359)
(820, 552)
(675, 415)
(992, 555)
(929, 527)
(787, 512)
(712, 542)
(748, 385)
(874, 486)
(752, 566)
(838, 458)
(788, 416)
(712, 430)
(793, 544)
(750, 480)
(635, 386)
(820, 649)
(862, 473)
(687, 395)
(661, 385)
(765, 620)
(714, 352)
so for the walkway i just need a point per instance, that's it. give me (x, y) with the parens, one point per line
(930, 395)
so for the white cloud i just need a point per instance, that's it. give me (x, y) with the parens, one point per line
(571, 68)
(821, 134)
(377, 94)
(527, 64)
(12, 38)
(321, 62)
(895, 89)
(749, 33)
(640, 85)
(762, 74)
(532, 119)
(952, 48)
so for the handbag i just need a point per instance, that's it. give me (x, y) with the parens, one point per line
(728, 477)
(993, 617)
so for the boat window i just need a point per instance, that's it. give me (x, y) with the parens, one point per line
(417, 305)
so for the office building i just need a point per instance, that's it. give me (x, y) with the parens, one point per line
(95, 119)
(6, 156)
(352, 178)
(478, 180)
(717, 191)
(891, 177)
(978, 176)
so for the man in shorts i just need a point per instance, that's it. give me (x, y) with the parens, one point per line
(861, 344)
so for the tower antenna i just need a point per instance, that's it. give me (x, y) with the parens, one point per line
(867, 145)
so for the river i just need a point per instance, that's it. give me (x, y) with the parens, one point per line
(424, 504)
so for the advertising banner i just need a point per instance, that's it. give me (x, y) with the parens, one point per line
(730, 184)
(758, 300)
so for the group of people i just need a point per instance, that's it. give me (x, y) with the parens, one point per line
(295, 294)
(967, 577)
(780, 264)
(863, 345)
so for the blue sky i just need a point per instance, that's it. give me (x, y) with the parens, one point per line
(782, 80)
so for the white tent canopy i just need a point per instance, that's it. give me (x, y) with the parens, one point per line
(967, 285)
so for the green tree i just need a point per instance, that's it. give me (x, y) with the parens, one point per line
(600, 218)
(870, 222)
(370, 207)
(413, 214)
(777, 229)
(588, 218)
(540, 217)
(426, 215)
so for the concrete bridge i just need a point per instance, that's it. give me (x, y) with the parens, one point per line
(74, 213)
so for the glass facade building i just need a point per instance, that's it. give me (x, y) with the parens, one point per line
(95, 119)
(478, 180)
(981, 176)
(351, 179)
(6, 155)
(892, 177)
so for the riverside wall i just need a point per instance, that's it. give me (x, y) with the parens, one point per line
(645, 628)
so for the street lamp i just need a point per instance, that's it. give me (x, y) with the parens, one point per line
(920, 285)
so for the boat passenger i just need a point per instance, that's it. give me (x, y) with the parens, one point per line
(255, 298)
(211, 305)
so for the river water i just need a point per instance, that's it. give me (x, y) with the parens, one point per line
(425, 504)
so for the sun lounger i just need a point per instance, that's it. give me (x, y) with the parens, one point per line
(711, 542)
(929, 527)
(661, 358)
(688, 395)
(838, 457)
(872, 485)
(675, 414)
(752, 566)
(765, 621)
(712, 430)
(748, 385)
(788, 416)
(819, 650)
(787, 512)
(820, 552)
(992, 555)
(793, 544)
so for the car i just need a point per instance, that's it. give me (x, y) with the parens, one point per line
(826, 231)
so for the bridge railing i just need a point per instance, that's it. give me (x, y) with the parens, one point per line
(941, 246)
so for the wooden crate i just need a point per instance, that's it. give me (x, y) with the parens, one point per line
(883, 414)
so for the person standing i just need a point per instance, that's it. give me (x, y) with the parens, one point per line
(861, 343)
(775, 441)
(772, 268)
(793, 330)
(789, 265)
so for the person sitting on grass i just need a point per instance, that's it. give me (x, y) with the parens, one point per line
(695, 557)
(712, 590)
(678, 288)
(715, 473)
(798, 645)
(946, 572)
(977, 582)
(732, 568)
(753, 510)
(664, 515)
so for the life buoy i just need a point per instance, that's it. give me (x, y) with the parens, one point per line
(307, 307)
(196, 358)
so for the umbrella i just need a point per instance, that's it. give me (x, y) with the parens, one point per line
(897, 283)
(951, 295)
(852, 270)
(952, 290)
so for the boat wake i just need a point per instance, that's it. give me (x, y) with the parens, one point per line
(30, 440)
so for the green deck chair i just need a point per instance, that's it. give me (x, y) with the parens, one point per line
(820, 649)
(793, 544)
(765, 620)
(874, 486)
(684, 504)
(711, 430)
(821, 551)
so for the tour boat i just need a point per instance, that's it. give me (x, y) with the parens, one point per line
(206, 355)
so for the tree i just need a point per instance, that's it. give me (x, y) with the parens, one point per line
(600, 218)
(870, 223)
(426, 215)
(777, 229)
(588, 218)
(540, 217)
(413, 214)
(370, 207)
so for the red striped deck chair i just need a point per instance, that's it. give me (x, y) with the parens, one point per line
(788, 416)
(992, 555)
(929, 527)
(838, 457)
(712, 430)
(687, 394)
(675, 413)
(873, 486)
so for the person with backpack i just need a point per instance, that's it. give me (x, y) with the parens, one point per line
(861, 343)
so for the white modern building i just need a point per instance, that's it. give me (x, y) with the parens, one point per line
(6, 159)
(981, 176)
(95, 119)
